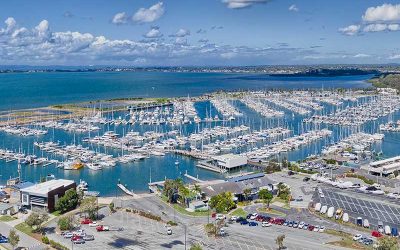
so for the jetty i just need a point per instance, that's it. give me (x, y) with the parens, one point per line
(128, 192)
(196, 179)
(193, 154)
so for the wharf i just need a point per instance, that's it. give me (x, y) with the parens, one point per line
(208, 166)
(193, 178)
(196, 155)
(135, 108)
(125, 190)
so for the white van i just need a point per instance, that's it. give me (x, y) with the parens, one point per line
(323, 209)
(366, 223)
(318, 207)
(331, 210)
(345, 217)
(388, 231)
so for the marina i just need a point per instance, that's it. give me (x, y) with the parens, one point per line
(170, 141)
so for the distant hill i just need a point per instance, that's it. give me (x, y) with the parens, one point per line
(386, 81)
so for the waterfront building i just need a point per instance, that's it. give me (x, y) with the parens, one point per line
(385, 167)
(45, 195)
(230, 161)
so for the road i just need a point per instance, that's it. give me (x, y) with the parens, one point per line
(25, 240)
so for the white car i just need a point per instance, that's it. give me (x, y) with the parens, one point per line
(234, 218)
(301, 225)
(321, 229)
(253, 216)
(266, 224)
(93, 224)
(357, 237)
(316, 228)
(68, 235)
(169, 231)
(220, 217)
(321, 195)
(5, 200)
(222, 232)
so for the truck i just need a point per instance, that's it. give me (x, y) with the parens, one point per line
(323, 209)
(366, 223)
(318, 207)
(339, 214)
(359, 221)
(331, 210)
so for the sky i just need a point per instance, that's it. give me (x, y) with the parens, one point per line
(199, 32)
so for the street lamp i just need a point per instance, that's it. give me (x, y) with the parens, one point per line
(208, 211)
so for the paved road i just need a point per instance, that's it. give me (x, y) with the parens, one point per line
(25, 240)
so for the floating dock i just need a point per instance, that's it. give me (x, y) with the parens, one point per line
(126, 191)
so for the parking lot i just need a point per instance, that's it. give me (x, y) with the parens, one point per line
(371, 207)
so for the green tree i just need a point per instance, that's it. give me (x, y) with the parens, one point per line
(174, 188)
(388, 243)
(246, 193)
(66, 222)
(222, 202)
(89, 206)
(13, 238)
(279, 241)
(68, 202)
(111, 207)
(266, 196)
(283, 191)
(35, 220)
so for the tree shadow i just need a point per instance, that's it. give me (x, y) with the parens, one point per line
(172, 244)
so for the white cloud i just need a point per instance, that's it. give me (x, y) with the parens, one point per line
(228, 55)
(361, 56)
(182, 33)
(238, 4)
(350, 30)
(385, 12)
(153, 33)
(375, 27)
(293, 7)
(394, 57)
(149, 15)
(120, 18)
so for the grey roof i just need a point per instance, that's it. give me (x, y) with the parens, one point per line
(5, 206)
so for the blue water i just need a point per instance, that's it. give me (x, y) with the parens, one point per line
(41, 89)
(27, 90)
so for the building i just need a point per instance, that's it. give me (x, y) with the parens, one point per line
(385, 167)
(8, 209)
(45, 195)
(230, 161)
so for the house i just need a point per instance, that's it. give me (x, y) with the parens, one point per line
(46, 194)
(7, 209)
(198, 205)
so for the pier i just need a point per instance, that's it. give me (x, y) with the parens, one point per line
(196, 179)
(126, 191)
(208, 166)
(193, 154)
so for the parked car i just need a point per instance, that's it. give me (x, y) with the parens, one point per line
(321, 229)
(290, 224)
(3, 239)
(86, 221)
(266, 224)
(253, 216)
(305, 179)
(380, 227)
(376, 234)
(88, 237)
(316, 228)
(68, 235)
(388, 230)
(234, 218)
(240, 219)
(79, 241)
(222, 232)
(305, 227)
(366, 223)
(295, 224)
(220, 217)
(244, 222)
(301, 225)
(169, 231)
(5, 200)
(93, 224)
(310, 228)
(102, 228)
(357, 237)
(359, 221)
(253, 224)
(395, 232)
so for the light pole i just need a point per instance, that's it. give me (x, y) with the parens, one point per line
(208, 211)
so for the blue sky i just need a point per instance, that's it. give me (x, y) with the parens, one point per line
(198, 32)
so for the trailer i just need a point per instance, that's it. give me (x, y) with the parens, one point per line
(331, 210)
(318, 207)
(324, 209)
(345, 217)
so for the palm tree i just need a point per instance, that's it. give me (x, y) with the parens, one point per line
(246, 193)
(279, 241)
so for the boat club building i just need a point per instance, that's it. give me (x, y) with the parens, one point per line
(385, 167)
(46, 194)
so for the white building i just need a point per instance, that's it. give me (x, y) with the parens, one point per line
(385, 167)
(230, 161)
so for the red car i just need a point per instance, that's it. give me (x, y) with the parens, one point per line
(75, 237)
(311, 228)
(102, 228)
(376, 234)
(86, 221)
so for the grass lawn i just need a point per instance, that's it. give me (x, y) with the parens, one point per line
(23, 227)
(5, 218)
(271, 211)
(277, 199)
(56, 213)
(182, 210)
(239, 212)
